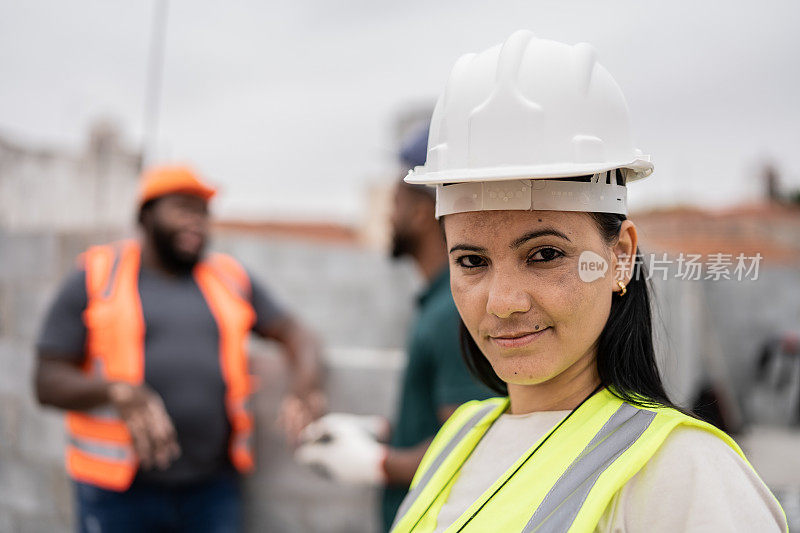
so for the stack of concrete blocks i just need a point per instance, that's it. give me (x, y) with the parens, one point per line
(34, 493)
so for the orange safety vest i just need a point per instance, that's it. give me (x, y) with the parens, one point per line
(100, 451)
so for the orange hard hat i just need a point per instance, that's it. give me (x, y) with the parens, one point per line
(161, 180)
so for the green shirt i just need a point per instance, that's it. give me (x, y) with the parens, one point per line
(435, 376)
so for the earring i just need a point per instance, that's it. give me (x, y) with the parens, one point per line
(623, 288)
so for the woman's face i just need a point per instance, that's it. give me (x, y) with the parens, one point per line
(516, 282)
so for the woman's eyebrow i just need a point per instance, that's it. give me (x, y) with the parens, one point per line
(538, 233)
(516, 244)
(467, 248)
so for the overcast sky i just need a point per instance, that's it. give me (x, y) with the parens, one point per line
(289, 105)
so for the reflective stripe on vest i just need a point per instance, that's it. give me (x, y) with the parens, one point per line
(562, 503)
(437, 462)
(109, 283)
(103, 450)
(568, 482)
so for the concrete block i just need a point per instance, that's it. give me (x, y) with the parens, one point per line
(10, 420)
(371, 390)
(63, 495)
(41, 524)
(16, 367)
(6, 310)
(288, 514)
(42, 436)
(27, 487)
(350, 297)
(27, 255)
(28, 302)
(7, 519)
(72, 244)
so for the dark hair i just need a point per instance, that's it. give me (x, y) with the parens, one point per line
(626, 359)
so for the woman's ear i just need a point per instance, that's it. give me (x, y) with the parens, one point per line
(624, 254)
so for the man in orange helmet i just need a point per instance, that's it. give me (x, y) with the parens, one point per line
(145, 347)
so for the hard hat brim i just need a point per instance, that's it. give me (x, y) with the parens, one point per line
(641, 168)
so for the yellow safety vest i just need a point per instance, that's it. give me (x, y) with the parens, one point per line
(565, 486)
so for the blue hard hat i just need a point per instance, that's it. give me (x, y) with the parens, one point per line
(414, 149)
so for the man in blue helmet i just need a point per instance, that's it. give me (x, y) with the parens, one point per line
(435, 381)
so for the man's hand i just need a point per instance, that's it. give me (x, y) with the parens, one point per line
(297, 412)
(305, 400)
(142, 410)
(344, 448)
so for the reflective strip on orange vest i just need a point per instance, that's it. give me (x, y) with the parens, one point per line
(100, 471)
(100, 449)
(83, 425)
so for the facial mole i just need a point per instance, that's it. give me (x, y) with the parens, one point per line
(536, 327)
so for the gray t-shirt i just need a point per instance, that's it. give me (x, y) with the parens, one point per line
(181, 362)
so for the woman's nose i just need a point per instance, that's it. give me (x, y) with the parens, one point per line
(506, 297)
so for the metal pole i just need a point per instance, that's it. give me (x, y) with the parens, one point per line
(155, 68)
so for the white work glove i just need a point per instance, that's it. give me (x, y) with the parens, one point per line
(344, 447)
(375, 425)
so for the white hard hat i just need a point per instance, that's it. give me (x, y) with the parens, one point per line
(524, 111)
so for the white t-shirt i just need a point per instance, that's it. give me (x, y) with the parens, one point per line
(694, 482)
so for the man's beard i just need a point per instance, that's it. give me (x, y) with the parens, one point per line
(402, 245)
(172, 259)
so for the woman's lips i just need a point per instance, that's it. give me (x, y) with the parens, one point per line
(523, 339)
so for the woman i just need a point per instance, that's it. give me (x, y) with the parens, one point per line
(531, 154)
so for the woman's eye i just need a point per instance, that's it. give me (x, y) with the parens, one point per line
(544, 254)
(471, 261)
